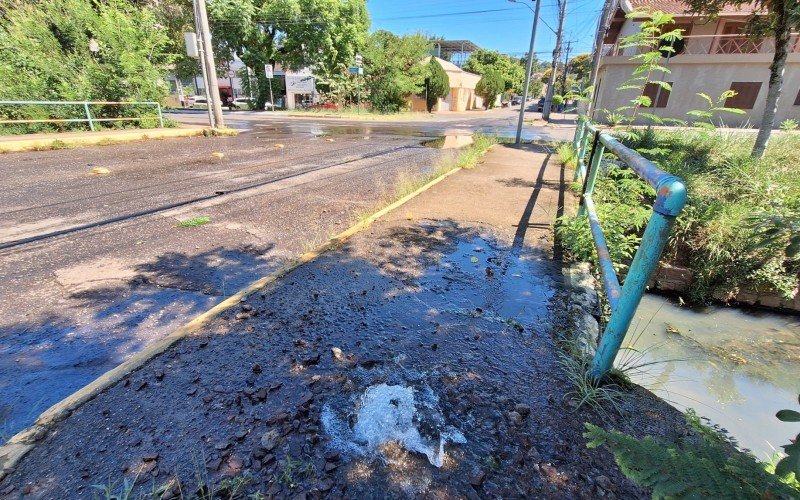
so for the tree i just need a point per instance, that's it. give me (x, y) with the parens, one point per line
(780, 19)
(323, 34)
(581, 67)
(437, 84)
(490, 85)
(508, 68)
(392, 69)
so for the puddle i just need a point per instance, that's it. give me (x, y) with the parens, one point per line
(387, 414)
(449, 142)
(735, 367)
(521, 295)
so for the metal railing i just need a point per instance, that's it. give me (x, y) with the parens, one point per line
(709, 45)
(86, 110)
(670, 200)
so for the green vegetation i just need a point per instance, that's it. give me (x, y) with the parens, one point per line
(45, 55)
(197, 221)
(489, 87)
(738, 230)
(392, 69)
(325, 34)
(437, 84)
(702, 465)
(510, 69)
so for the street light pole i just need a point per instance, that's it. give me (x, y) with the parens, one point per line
(528, 68)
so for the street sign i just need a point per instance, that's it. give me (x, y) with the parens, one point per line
(268, 70)
(300, 83)
(355, 70)
(359, 60)
(231, 73)
(190, 39)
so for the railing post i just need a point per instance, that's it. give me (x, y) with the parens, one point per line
(581, 152)
(594, 167)
(578, 132)
(160, 115)
(669, 203)
(88, 115)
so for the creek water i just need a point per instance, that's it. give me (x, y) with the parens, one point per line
(735, 367)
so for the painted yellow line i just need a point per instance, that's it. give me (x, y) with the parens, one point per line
(65, 141)
(24, 441)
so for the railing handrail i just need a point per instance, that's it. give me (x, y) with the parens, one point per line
(89, 119)
(670, 200)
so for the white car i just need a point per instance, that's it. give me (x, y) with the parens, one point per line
(242, 102)
(197, 99)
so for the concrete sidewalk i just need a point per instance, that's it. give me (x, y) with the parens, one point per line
(414, 360)
(60, 140)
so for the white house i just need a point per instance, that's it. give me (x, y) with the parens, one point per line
(714, 56)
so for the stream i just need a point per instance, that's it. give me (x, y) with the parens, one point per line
(735, 367)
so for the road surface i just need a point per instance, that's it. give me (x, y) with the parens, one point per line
(94, 267)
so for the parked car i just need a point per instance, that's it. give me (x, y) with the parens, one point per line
(197, 99)
(516, 100)
(242, 103)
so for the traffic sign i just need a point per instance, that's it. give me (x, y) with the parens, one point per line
(268, 70)
(359, 60)
(355, 70)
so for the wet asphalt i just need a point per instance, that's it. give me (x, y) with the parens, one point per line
(94, 267)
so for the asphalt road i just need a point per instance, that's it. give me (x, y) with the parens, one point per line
(93, 268)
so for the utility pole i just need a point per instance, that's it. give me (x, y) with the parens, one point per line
(548, 100)
(207, 55)
(602, 27)
(528, 68)
(566, 67)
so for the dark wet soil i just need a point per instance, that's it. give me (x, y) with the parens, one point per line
(267, 399)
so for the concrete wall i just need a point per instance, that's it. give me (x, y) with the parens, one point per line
(709, 74)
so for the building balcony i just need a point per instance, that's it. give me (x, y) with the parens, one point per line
(696, 45)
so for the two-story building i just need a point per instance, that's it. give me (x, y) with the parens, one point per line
(714, 56)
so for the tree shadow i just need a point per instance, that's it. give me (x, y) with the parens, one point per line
(46, 358)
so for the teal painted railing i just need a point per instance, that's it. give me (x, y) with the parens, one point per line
(86, 110)
(670, 200)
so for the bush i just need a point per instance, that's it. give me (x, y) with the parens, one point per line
(490, 85)
(437, 84)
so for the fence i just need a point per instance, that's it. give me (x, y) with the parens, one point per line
(89, 119)
(669, 202)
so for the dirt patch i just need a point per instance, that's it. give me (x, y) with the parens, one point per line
(417, 322)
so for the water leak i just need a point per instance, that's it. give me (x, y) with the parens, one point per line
(394, 414)
(735, 367)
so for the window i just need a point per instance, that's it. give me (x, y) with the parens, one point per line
(746, 94)
(658, 95)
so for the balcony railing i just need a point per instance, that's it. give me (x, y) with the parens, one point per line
(710, 44)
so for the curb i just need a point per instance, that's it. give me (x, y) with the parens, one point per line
(14, 146)
(24, 441)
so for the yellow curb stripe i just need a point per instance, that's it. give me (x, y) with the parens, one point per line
(24, 441)
(12, 146)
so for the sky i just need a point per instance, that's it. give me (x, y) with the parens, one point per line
(506, 28)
